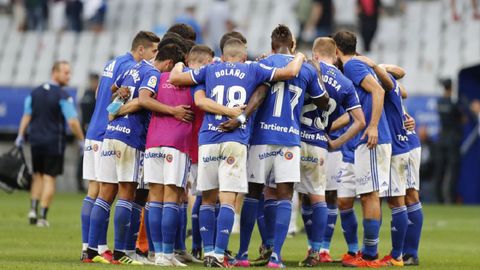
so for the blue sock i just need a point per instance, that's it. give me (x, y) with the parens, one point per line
(207, 226)
(170, 224)
(155, 215)
(180, 234)
(225, 220)
(102, 238)
(196, 238)
(371, 228)
(261, 219)
(399, 226)
(146, 221)
(122, 220)
(307, 222)
(414, 231)
(247, 222)
(217, 211)
(319, 222)
(270, 219)
(349, 226)
(85, 217)
(331, 221)
(284, 212)
(98, 218)
(134, 227)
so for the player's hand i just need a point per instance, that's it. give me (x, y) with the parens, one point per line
(19, 141)
(409, 123)
(371, 133)
(183, 113)
(236, 111)
(123, 92)
(112, 117)
(366, 60)
(229, 125)
(301, 55)
(262, 56)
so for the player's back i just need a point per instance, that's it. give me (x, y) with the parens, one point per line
(277, 121)
(114, 68)
(132, 128)
(395, 116)
(356, 71)
(179, 132)
(229, 84)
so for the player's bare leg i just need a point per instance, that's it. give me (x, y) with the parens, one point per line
(48, 190)
(35, 195)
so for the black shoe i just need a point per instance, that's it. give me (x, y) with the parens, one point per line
(229, 255)
(409, 260)
(263, 259)
(310, 261)
(211, 261)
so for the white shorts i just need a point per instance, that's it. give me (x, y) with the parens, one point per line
(166, 166)
(193, 179)
(312, 168)
(372, 168)
(398, 176)
(346, 180)
(91, 159)
(281, 163)
(223, 166)
(333, 169)
(413, 175)
(120, 163)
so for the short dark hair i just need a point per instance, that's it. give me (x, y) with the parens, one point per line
(145, 38)
(58, 63)
(189, 45)
(346, 42)
(184, 30)
(170, 52)
(174, 38)
(229, 35)
(282, 36)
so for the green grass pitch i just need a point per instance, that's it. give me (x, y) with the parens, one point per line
(450, 240)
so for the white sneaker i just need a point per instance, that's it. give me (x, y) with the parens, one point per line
(184, 257)
(43, 223)
(151, 257)
(164, 261)
(142, 259)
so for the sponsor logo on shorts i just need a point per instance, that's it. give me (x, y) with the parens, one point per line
(95, 147)
(230, 160)
(288, 155)
(210, 158)
(169, 158)
(110, 153)
(252, 176)
(363, 180)
(321, 161)
(118, 154)
(309, 159)
(337, 178)
(88, 148)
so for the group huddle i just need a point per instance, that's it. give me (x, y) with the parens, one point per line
(332, 128)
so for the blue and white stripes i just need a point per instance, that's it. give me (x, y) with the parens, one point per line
(370, 242)
(103, 204)
(124, 204)
(398, 210)
(154, 205)
(374, 169)
(414, 207)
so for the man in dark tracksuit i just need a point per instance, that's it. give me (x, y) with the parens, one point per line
(47, 108)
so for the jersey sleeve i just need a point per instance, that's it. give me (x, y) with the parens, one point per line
(315, 87)
(27, 105)
(196, 88)
(67, 107)
(198, 75)
(356, 71)
(119, 80)
(263, 73)
(351, 100)
(150, 81)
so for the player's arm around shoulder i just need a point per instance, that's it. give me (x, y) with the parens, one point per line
(208, 105)
(316, 87)
(178, 77)
(380, 71)
(291, 70)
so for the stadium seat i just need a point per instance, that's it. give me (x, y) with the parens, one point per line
(24, 65)
(10, 57)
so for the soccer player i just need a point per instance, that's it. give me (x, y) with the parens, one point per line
(315, 125)
(198, 56)
(275, 148)
(373, 148)
(94, 228)
(166, 160)
(184, 30)
(222, 155)
(46, 110)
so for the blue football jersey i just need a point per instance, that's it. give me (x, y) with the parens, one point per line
(348, 149)
(343, 98)
(229, 84)
(277, 121)
(113, 69)
(356, 71)
(132, 128)
(395, 116)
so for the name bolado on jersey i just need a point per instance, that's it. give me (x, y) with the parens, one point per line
(230, 72)
(275, 127)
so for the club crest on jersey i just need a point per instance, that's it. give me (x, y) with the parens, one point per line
(230, 160)
(288, 155)
(169, 158)
(152, 82)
